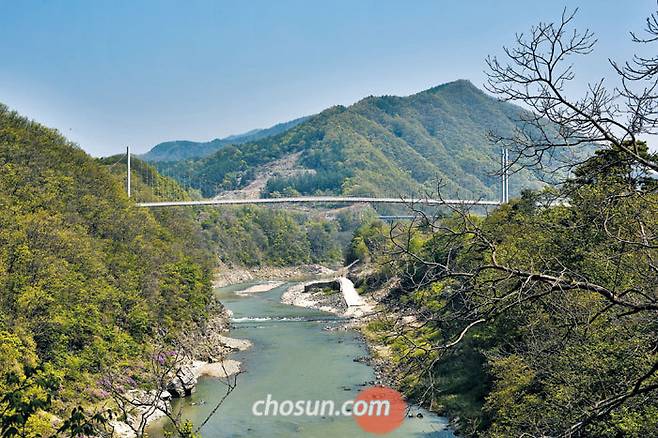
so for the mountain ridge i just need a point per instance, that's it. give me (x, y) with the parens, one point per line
(186, 149)
(380, 145)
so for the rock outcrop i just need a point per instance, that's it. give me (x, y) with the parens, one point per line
(183, 383)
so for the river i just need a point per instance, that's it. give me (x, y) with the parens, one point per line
(293, 357)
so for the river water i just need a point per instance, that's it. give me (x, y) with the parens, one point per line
(293, 358)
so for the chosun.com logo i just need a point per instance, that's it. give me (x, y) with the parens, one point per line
(377, 410)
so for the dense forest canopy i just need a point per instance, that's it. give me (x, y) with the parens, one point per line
(86, 277)
(89, 280)
(540, 319)
(379, 146)
(545, 353)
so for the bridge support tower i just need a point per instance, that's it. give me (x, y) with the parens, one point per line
(504, 175)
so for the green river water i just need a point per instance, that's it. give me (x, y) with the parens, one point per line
(293, 357)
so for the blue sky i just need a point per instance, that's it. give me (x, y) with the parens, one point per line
(112, 73)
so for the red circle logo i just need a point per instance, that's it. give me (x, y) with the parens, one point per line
(379, 410)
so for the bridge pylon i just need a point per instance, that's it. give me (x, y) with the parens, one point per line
(128, 170)
(504, 175)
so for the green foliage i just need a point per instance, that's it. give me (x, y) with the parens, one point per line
(24, 395)
(253, 236)
(542, 364)
(28, 395)
(351, 218)
(325, 181)
(323, 241)
(86, 277)
(79, 423)
(378, 146)
(368, 239)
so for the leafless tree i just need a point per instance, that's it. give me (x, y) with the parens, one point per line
(536, 73)
(139, 399)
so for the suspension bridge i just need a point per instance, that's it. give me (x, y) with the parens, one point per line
(504, 196)
(321, 200)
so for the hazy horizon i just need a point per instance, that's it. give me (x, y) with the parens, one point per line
(110, 74)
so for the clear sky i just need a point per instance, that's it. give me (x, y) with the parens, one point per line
(112, 73)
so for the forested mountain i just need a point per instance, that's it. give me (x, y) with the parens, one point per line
(379, 146)
(247, 235)
(86, 278)
(183, 149)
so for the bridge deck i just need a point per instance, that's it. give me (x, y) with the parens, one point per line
(321, 199)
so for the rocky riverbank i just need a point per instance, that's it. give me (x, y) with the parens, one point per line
(227, 275)
(204, 351)
(325, 295)
(313, 295)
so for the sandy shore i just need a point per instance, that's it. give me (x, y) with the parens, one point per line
(295, 296)
(220, 370)
(225, 367)
(235, 344)
(264, 287)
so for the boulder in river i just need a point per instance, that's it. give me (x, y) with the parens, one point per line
(183, 383)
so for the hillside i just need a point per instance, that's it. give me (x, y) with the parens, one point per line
(90, 281)
(87, 279)
(379, 146)
(184, 149)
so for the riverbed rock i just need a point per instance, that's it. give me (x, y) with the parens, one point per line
(183, 383)
(142, 407)
(320, 286)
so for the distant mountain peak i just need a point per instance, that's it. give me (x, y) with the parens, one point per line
(184, 149)
(387, 145)
(460, 85)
